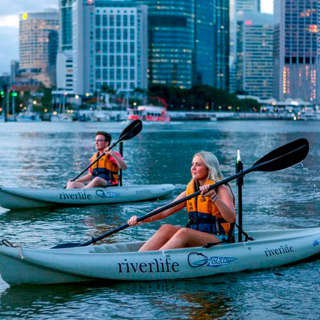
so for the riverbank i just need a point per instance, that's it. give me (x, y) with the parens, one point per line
(212, 116)
(122, 115)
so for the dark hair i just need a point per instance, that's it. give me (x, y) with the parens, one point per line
(106, 135)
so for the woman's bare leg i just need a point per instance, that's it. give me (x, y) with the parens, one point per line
(74, 185)
(186, 237)
(165, 232)
(96, 182)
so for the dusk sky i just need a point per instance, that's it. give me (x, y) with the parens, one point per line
(9, 25)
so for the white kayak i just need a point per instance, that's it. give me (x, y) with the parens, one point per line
(119, 262)
(23, 198)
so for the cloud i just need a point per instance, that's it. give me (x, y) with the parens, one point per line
(9, 38)
(9, 24)
(267, 6)
(10, 7)
(9, 21)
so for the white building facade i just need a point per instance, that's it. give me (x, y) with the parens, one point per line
(109, 48)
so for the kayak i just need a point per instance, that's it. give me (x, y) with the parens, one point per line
(122, 262)
(25, 198)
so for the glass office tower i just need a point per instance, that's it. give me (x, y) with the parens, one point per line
(65, 11)
(222, 44)
(171, 42)
(38, 45)
(255, 54)
(296, 54)
(204, 61)
(237, 9)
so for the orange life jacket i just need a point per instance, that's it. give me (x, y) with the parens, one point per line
(105, 169)
(204, 215)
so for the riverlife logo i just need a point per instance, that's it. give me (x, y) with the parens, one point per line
(196, 260)
(106, 195)
(316, 243)
(74, 196)
(286, 249)
(156, 265)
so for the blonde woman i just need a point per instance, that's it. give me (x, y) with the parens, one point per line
(211, 214)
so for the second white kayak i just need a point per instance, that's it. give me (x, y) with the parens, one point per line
(24, 198)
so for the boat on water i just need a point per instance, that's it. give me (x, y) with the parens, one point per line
(149, 113)
(123, 262)
(309, 114)
(24, 198)
(60, 117)
(28, 116)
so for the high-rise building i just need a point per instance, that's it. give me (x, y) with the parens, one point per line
(188, 41)
(237, 9)
(14, 70)
(65, 56)
(38, 45)
(110, 46)
(255, 54)
(65, 13)
(204, 49)
(296, 53)
(222, 44)
(171, 42)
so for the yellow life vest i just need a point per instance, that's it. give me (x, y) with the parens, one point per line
(105, 169)
(204, 215)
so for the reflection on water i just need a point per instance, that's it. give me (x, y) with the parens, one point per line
(47, 155)
(187, 299)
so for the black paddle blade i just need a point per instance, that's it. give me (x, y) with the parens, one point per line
(131, 130)
(284, 156)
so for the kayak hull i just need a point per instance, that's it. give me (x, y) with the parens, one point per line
(25, 198)
(122, 262)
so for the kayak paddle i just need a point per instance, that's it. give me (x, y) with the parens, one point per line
(280, 158)
(129, 132)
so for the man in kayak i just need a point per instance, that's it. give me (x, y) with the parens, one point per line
(104, 172)
(212, 214)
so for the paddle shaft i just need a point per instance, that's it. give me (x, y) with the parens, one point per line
(239, 168)
(175, 203)
(280, 158)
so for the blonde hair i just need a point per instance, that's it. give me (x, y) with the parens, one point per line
(212, 163)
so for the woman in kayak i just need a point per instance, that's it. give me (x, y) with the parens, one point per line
(211, 215)
(105, 171)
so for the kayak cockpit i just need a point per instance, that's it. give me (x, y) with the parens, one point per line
(117, 247)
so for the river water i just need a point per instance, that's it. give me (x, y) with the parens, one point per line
(46, 155)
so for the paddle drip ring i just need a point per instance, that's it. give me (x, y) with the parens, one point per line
(7, 243)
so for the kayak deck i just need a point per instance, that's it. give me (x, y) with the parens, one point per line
(25, 198)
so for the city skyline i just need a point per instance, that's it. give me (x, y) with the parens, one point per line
(9, 25)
